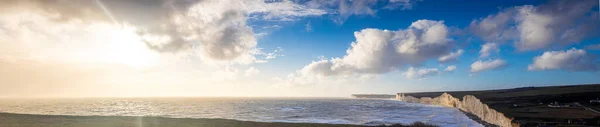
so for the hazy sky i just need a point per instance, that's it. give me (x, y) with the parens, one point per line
(140, 48)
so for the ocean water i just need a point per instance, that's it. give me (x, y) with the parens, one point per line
(296, 110)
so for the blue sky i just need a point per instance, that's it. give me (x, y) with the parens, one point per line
(293, 48)
(330, 39)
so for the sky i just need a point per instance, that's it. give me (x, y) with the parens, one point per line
(292, 48)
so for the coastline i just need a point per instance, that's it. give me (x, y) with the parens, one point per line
(569, 105)
(469, 105)
(474, 118)
(32, 120)
(478, 120)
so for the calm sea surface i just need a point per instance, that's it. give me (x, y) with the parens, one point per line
(334, 111)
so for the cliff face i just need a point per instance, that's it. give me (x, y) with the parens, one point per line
(469, 104)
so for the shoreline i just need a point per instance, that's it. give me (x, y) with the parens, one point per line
(569, 105)
(31, 120)
(469, 115)
(477, 119)
(468, 104)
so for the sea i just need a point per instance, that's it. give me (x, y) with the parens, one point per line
(293, 110)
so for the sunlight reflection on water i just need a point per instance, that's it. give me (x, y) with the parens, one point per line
(336, 111)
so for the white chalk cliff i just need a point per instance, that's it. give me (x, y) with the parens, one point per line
(469, 104)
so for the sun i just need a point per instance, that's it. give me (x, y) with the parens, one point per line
(123, 46)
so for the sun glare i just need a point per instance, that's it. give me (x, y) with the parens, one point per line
(125, 47)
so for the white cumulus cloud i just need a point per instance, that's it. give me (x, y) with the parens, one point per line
(479, 66)
(214, 30)
(540, 27)
(413, 73)
(572, 60)
(495, 28)
(487, 49)
(379, 51)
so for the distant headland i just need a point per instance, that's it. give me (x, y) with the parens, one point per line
(374, 96)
